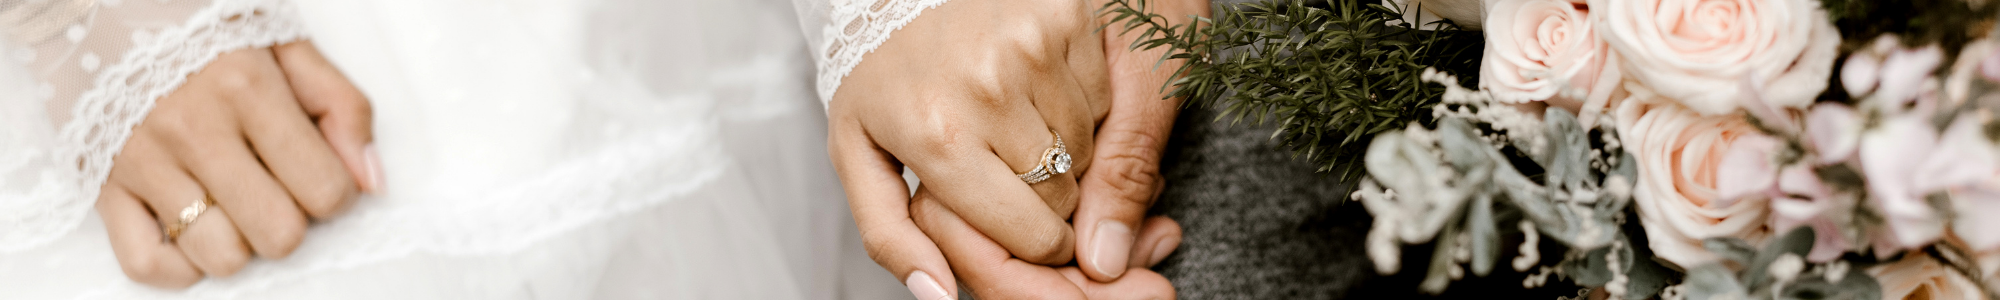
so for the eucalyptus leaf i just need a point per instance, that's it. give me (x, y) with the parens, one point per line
(1590, 269)
(1855, 284)
(1646, 277)
(1733, 249)
(1485, 236)
(1712, 281)
(1439, 274)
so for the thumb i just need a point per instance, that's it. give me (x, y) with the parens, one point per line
(1117, 191)
(339, 109)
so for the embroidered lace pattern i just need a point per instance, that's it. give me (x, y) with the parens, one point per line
(118, 98)
(853, 29)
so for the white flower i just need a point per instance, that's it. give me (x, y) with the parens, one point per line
(1697, 51)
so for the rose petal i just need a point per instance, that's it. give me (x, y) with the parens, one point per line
(1747, 170)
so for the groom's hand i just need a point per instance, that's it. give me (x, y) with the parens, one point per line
(993, 273)
(1126, 178)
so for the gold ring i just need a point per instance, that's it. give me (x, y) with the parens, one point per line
(188, 215)
(1054, 161)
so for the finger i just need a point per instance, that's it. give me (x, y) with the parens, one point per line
(1125, 179)
(1116, 194)
(138, 243)
(1158, 238)
(965, 174)
(880, 201)
(982, 264)
(290, 146)
(1138, 283)
(211, 242)
(343, 114)
(223, 164)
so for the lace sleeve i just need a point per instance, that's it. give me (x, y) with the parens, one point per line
(841, 31)
(77, 75)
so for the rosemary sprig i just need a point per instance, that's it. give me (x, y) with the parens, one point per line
(1331, 74)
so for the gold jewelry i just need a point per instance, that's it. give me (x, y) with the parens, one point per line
(1054, 161)
(188, 215)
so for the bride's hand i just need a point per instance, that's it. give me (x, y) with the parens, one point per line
(966, 97)
(272, 135)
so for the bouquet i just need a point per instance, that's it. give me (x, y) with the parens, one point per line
(1672, 149)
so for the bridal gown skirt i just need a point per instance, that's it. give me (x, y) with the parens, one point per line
(554, 150)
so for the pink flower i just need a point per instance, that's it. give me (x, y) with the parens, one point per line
(1834, 131)
(1694, 51)
(1680, 155)
(1797, 195)
(1890, 155)
(1800, 199)
(1540, 50)
(1964, 165)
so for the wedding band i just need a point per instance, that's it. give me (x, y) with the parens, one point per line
(1054, 161)
(188, 215)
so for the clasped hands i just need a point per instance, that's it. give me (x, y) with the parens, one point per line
(972, 93)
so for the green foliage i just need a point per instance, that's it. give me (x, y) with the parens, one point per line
(1330, 74)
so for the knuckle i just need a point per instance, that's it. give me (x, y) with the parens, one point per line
(1132, 178)
(939, 136)
(282, 238)
(143, 268)
(226, 263)
(1048, 246)
(325, 198)
(233, 78)
(1130, 167)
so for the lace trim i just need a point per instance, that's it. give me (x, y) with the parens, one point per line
(854, 29)
(124, 92)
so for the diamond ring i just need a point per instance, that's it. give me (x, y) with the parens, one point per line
(1054, 161)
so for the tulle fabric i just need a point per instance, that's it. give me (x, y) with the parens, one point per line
(548, 150)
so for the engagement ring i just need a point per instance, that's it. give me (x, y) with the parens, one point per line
(1054, 161)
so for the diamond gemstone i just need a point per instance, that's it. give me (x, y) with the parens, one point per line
(1061, 162)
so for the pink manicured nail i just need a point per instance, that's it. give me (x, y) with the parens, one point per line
(374, 172)
(926, 288)
(1111, 247)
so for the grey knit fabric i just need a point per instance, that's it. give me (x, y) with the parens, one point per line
(1259, 224)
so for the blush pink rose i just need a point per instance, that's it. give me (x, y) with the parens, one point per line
(1680, 155)
(1545, 50)
(1696, 51)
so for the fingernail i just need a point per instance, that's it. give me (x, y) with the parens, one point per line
(1110, 247)
(926, 288)
(1161, 249)
(374, 172)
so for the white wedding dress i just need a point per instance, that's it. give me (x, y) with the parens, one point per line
(538, 149)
